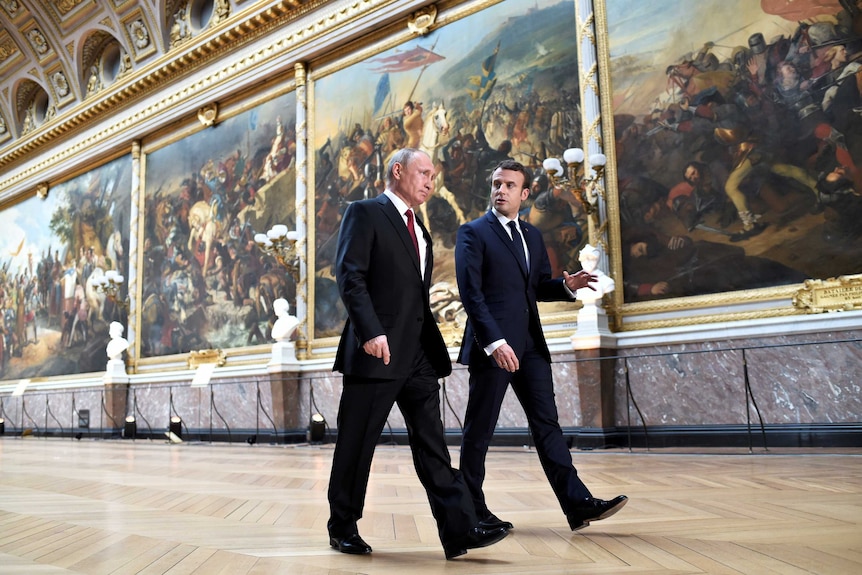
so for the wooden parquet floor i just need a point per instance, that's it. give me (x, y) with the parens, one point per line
(123, 507)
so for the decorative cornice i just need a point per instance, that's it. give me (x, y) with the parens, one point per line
(157, 77)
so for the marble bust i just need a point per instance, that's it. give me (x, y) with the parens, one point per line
(589, 257)
(285, 324)
(118, 343)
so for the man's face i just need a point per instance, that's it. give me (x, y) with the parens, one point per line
(789, 76)
(508, 191)
(414, 182)
(653, 212)
(639, 250)
(408, 110)
(692, 176)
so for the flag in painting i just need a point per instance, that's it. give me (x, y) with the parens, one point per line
(403, 61)
(486, 81)
(382, 92)
(796, 10)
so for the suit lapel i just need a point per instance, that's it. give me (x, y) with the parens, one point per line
(534, 247)
(429, 252)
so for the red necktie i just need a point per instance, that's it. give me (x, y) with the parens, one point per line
(412, 231)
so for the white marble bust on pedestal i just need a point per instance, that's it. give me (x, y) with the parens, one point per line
(592, 331)
(118, 343)
(589, 257)
(115, 371)
(283, 350)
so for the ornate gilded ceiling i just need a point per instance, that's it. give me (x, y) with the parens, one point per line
(61, 59)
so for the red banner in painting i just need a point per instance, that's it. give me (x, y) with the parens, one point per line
(403, 61)
(796, 10)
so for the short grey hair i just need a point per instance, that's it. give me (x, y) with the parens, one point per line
(403, 156)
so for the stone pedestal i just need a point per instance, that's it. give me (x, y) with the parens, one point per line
(116, 392)
(284, 383)
(115, 372)
(283, 357)
(593, 341)
(592, 331)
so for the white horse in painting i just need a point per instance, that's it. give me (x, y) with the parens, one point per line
(435, 127)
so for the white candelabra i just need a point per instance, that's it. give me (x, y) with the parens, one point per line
(586, 189)
(110, 284)
(280, 243)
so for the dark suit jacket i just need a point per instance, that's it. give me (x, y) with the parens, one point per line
(498, 294)
(384, 293)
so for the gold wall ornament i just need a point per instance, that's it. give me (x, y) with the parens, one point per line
(204, 356)
(421, 21)
(42, 189)
(843, 293)
(208, 114)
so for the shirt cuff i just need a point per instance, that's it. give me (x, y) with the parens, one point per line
(489, 349)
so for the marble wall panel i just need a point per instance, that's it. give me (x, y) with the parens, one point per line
(793, 380)
(59, 409)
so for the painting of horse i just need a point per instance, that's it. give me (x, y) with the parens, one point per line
(469, 101)
(206, 283)
(52, 250)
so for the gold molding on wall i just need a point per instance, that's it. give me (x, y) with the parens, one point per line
(211, 46)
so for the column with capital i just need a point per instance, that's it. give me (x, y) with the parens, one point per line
(593, 340)
(291, 332)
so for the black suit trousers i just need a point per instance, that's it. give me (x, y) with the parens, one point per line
(365, 405)
(534, 387)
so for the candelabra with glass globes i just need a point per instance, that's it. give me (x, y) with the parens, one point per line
(110, 284)
(586, 188)
(280, 243)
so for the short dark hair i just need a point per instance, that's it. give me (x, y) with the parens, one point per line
(516, 166)
(699, 166)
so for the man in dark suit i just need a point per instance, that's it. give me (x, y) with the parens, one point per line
(391, 351)
(503, 269)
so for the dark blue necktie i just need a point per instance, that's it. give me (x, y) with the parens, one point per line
(517, 243)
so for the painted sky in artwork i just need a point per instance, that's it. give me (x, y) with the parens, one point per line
(28, 220)
(459, 43)
(645, 32)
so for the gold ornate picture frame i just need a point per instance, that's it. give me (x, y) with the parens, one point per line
(210, 185)
(59, 246)
(484, 81)
(731, 173)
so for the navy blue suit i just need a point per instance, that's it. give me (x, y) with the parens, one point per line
(378, 275)
(500, 297)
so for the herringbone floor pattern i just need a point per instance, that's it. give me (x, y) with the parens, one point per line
(123, 507)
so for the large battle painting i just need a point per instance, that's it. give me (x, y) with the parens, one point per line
(53, 320)
(502, 83)
(206, 284)
(738, 142)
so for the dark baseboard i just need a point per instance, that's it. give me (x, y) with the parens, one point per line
(819, 435)
(713, 436)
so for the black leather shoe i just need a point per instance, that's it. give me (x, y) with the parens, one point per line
(352, 544)
(494, 522)
(475, 538)
(592, 509)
